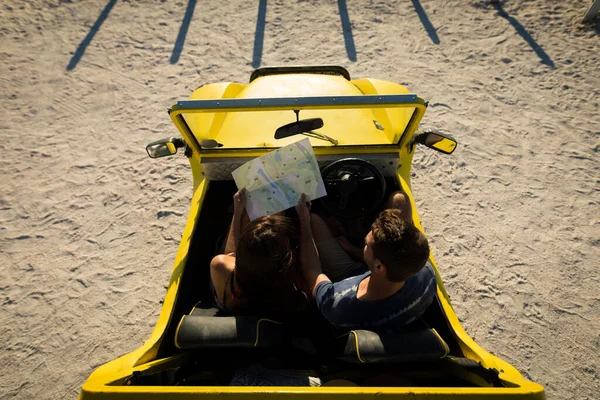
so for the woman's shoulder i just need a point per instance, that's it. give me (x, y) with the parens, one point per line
(223, 263)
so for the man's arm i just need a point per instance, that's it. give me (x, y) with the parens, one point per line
(309, 256)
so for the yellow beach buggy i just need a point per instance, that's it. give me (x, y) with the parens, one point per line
(364, 136)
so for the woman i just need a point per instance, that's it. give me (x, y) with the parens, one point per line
(259, 272)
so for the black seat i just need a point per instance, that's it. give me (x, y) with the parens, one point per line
(207, 327)
(417, 345)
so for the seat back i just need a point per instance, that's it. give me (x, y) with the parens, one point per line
(362, 346)
(204, 328)
(208, 327)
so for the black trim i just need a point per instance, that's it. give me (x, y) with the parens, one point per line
(299, 69)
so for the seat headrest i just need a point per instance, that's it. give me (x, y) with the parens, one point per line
(201, 331)
(362, 346)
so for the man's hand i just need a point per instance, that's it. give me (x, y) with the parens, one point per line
(303, 209)
(239, 203)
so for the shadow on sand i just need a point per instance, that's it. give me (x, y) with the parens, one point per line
(545, 59)
(593, 24)
(426, 22)
(88, 38)
(347, 30)
(259, 35)
(185, 24)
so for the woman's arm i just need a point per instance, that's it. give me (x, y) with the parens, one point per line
(235, 229)
(221, 271)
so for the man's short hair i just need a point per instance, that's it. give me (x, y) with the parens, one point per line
(399, 245)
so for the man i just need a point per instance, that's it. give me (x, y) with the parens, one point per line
(399, 284)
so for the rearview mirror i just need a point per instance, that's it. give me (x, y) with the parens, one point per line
(436, 140)
(302, 126)
(164, 147)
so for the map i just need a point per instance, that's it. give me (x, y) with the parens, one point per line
(275, 181)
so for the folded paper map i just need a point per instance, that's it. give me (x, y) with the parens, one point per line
(275, 181)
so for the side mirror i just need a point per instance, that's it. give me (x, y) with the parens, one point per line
(436, 140)
(164, 147)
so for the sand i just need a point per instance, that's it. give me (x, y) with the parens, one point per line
(89, 225)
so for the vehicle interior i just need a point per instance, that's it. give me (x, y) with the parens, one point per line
(214, 345)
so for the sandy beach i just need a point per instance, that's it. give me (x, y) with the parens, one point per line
(89, 225)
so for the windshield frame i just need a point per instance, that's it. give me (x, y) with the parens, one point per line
(297, 103)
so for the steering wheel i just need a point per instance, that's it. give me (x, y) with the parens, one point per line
(355, 188)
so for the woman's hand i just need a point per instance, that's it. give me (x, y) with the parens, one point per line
(303, 209)
(239, 203)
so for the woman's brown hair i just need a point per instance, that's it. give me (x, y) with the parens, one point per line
(267, 270)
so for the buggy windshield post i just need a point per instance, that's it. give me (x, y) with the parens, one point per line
(296, 103)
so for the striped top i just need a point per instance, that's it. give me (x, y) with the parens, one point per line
(339, 304)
